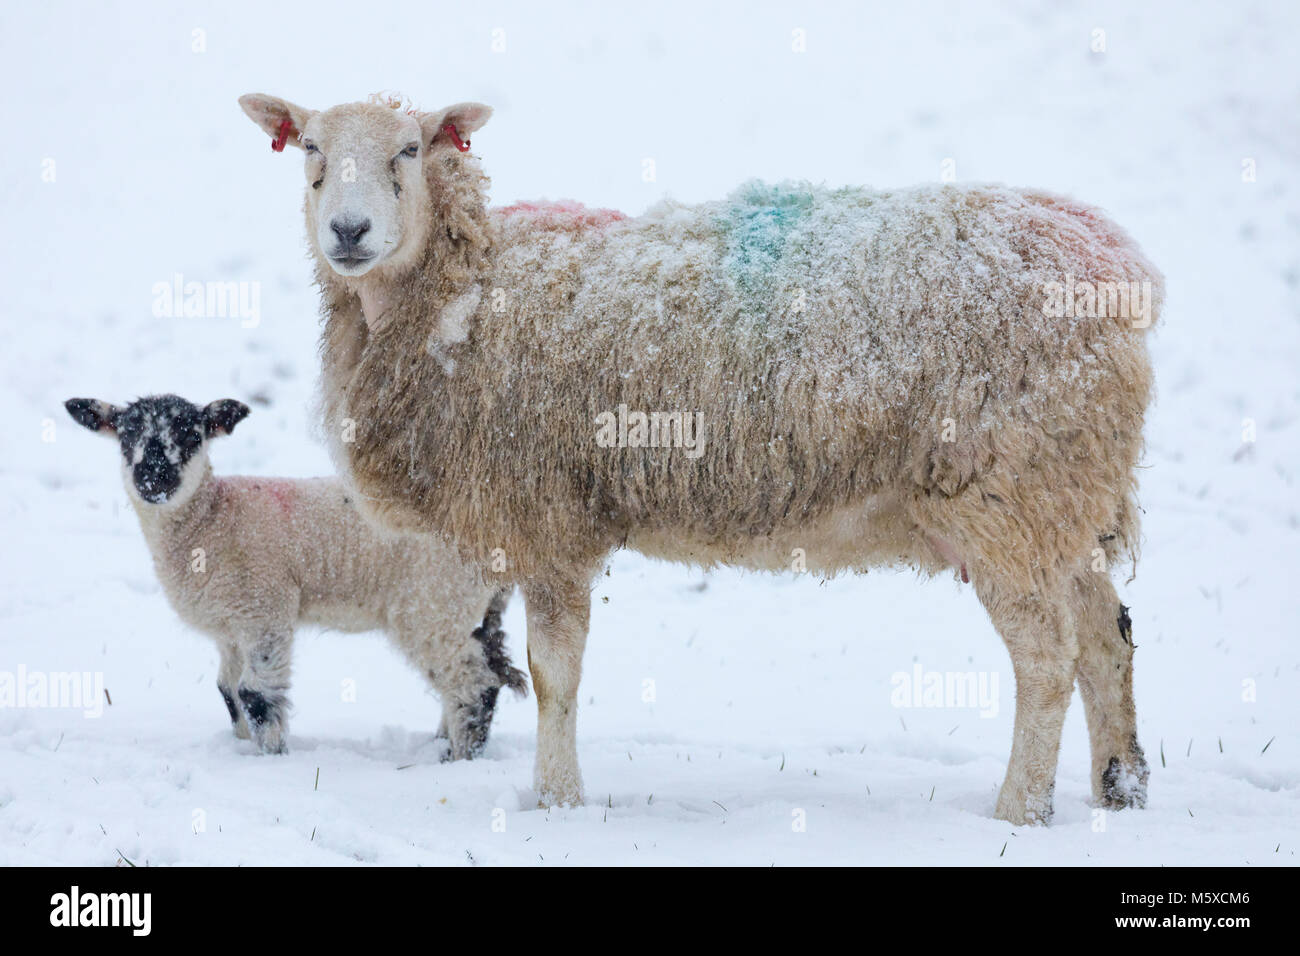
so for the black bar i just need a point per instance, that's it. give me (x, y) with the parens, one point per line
(305, 904)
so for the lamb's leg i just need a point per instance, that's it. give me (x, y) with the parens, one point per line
(232, 665)
(558, 614)
(468, 690)
(1044, 654)
(264, 689)
(469, 694)
(1119, 769)
(453, 665)
(466, 722)
(469, 697)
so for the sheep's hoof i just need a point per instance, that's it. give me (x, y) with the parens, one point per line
(567, 797)
(272, 738)
(1021, 810)
(241, 731)
(450, 752)
(1124, 783)
(278, 745)
(266, 720)
(545, 802)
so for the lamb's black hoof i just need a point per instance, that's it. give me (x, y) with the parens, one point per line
(265, 717)
(1124, 782)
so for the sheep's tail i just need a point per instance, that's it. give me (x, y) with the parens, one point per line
(493, 639)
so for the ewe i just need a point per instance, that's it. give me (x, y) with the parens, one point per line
(246, 560)
(941, 377)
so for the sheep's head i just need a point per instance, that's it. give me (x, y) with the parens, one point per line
(163, 439)
(368, 167)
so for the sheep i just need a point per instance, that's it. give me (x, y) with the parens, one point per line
(945, 377)
(247, 560)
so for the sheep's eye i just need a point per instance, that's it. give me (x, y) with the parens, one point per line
(310, 147)
(411, 150)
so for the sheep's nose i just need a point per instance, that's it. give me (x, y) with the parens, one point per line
(155, 477)
(349, 230)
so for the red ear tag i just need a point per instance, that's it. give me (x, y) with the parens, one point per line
(277, 144)
(462, 145)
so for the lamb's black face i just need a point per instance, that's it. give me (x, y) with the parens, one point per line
(162, 438)
(159, 436)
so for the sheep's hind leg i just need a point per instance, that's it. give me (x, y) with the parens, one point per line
(1039, 637)
(264, 690)
(1119, 768)
(232, 665)
(558, 616)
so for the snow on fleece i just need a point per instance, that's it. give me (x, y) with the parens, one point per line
(778, 244)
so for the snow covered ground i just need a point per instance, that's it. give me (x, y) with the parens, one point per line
(725, 719)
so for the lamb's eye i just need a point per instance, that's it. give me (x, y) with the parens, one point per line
(310, 147)
(411, 150)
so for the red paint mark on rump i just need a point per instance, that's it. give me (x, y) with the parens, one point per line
(565, 214)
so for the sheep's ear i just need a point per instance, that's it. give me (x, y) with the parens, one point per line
(269, 112)
(221, 417)
(467, 118)
(93, 414)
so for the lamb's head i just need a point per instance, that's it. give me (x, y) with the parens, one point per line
(370, 168)
(163, 439)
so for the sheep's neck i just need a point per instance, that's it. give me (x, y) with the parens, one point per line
(171, 527)
(376, 302)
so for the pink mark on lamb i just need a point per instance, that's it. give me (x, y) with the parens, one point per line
(279, 490)
(566, 214)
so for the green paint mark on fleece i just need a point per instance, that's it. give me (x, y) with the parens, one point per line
(755, 224)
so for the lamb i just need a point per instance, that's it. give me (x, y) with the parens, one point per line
(948, 377)
(246, 560)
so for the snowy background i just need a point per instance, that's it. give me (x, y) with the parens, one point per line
(770, 695)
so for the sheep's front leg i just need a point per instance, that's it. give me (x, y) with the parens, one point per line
(1044, 655)
(264, 689)
(558, 614)
(232, 666)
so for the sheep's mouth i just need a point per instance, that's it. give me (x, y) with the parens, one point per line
(351, 263)
(156, 493)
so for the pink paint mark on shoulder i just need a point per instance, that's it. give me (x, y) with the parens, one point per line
(284, 494)
(566, 215)
(280, 490)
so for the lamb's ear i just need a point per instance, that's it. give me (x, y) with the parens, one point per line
(221, 417)
(93, 414)
(466, 118)
(270, 112)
